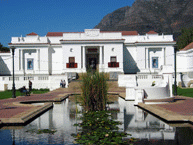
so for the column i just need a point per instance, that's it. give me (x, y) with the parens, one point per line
(21, 59)
(146, 58)
(84, 57)
(101, 56)
(38, 53)
(163, 55)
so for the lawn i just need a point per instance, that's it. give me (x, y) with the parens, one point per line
(8, 94)
(188, 92)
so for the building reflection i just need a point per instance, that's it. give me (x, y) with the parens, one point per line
(140, 124)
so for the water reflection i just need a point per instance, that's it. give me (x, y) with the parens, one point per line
(63, 116)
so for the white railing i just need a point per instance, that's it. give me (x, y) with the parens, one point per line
(43, 78)
(149, 76)
(26, 78)
(43, 81)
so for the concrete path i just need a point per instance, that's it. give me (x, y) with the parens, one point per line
(179, 111)
(18, 111)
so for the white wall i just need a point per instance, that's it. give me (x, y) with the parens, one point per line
(41, 81)
(56, 60)
(185, 61)
(76, 52)
(108, 52)
(5, 63)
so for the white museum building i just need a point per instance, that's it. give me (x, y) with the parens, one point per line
(185, 66)
(59, 55)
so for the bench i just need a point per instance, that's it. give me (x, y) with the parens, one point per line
(27, 93)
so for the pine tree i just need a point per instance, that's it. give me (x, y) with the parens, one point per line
(4, 49)
(185, 38)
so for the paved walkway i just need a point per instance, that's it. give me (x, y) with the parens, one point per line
(181, 110)
(12, 112)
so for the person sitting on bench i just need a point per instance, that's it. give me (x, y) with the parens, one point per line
(24, 90)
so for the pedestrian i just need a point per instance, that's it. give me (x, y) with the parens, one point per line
(30, 86)
(64, 84)
(61, 84)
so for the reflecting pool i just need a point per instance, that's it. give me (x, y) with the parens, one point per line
(59, 122)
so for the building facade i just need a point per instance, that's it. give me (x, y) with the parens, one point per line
(124, 52)
(118, 52)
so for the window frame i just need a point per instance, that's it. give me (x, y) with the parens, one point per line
(32, 64)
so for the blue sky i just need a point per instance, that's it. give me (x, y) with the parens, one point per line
(21, 17)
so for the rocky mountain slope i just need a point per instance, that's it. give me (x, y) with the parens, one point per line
(162, 16)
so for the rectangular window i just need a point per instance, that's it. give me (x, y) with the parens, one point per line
(154, 62)
(113, 59)
(30, 64)
(71, 60)
(71, 63)
(113, 62)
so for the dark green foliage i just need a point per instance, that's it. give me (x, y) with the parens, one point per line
(185, 38)
(4, 49)
(94, 91)
(98, 128)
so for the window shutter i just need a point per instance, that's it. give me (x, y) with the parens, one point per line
(117, 64)
(67, 65)
(75, 65)
(109, 64)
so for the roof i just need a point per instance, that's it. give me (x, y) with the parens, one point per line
(58, 34)
(189, 46)
(95, 40)
(32, 34)
(129, 32)
(4, 51)
(123, 32)
(152, 32)
(55, 34)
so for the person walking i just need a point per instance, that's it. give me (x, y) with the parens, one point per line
(30, 86)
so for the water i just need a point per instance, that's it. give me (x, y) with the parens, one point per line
(143, 126)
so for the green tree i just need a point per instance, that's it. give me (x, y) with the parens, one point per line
(185, 38)
(4, 49)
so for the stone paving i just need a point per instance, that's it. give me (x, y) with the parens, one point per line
(181, 110)
(12, 111)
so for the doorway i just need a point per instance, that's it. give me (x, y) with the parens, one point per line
(92, 62)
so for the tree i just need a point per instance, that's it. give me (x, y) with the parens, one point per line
(4, 49)
(185, 38)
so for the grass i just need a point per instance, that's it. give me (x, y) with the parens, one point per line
(188, 92)
(8, 94)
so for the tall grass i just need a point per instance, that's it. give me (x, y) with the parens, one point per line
(94, 91)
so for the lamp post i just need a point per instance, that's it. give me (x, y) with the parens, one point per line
(175, 86)
(13, 88)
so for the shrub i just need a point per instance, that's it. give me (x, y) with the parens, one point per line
(98, 128)
(94, 91)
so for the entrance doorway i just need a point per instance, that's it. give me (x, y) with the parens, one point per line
(92, 58)
(92, 61)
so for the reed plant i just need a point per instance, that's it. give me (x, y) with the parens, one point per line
(94, 91)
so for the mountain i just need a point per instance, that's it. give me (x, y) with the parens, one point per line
(162, 16)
